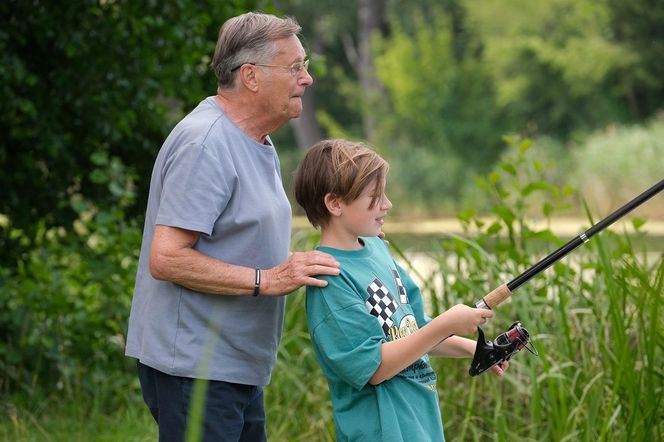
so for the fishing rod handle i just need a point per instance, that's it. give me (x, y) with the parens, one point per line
(495, 297)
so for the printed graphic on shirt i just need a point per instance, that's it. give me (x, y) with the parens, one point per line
(398, 322)
(381, 304)
(403, 297)
(419, 370)
(407, 326)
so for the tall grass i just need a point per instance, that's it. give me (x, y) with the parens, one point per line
(597, 326)
(595, 319)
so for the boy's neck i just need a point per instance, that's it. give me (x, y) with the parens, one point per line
(329, 237)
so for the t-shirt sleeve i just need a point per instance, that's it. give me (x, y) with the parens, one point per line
(347, 337)
(195, 191)
(414, 297)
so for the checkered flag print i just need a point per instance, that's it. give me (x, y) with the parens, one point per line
(381, 304)
(403, 297)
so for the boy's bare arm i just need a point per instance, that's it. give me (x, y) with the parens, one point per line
(458, 347)
(399, 354)
(454, 347)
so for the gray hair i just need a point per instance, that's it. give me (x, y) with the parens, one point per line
(248, 38)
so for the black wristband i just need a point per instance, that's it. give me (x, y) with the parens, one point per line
(257, 283)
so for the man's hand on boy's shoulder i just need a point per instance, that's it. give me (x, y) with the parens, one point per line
(381, 235)
(299, 269)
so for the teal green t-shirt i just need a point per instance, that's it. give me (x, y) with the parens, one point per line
(372, 301)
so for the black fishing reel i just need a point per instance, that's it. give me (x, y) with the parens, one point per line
(490, 353)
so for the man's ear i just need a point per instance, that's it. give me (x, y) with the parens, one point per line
(333, 204)
(248, 77)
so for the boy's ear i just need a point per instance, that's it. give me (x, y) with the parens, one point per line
(332, 204)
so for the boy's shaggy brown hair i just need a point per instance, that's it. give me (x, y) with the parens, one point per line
(339, 167)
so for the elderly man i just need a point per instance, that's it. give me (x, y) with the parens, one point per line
(215, 262)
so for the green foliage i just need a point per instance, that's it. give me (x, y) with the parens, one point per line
(595, 318)
(614, 165)
(76, 420)
(85, 78)
(64, 307)
(89, 90)
(559, 68)
(64, 311)
(438, 98)
(637, 25)
(422, 182)
(443, 123)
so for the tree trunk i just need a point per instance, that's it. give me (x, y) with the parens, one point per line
(371, 19)
(306, 128)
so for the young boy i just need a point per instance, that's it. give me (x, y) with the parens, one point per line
(368, 327)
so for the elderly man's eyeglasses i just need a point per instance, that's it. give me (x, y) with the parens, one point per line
(294, 68)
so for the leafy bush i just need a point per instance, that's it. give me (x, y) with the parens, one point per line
(64, 306)
(82, 78)
(423, 183)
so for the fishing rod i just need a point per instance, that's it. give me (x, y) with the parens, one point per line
(490, 353)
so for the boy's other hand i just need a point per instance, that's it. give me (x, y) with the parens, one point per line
(500, 368)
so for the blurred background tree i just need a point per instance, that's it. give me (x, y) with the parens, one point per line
(86, 78)
(452, 77)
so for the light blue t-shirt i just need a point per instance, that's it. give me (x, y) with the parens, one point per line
(372, 301)
(212, 178)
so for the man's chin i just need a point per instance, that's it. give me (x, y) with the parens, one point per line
(295, 113)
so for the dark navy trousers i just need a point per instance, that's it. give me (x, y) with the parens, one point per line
(233, 412)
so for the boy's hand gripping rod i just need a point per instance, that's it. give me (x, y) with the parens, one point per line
(503, 292)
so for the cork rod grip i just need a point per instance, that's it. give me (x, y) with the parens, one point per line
(497, 296)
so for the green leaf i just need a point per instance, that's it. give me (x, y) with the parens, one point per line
(509, 168)
(100, 158)
(494, 228)
(525, 145)
(638, 222)
(505, 214)
(539, 185)
(98, 176)
(547, 209)
(466, 215)
(538, 166)
(545, 235)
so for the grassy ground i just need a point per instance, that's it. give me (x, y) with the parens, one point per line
(72, 421)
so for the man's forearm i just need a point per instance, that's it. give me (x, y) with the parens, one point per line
(196, 271)
(174, 258)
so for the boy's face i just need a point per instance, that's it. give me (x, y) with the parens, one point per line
(358, 218)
